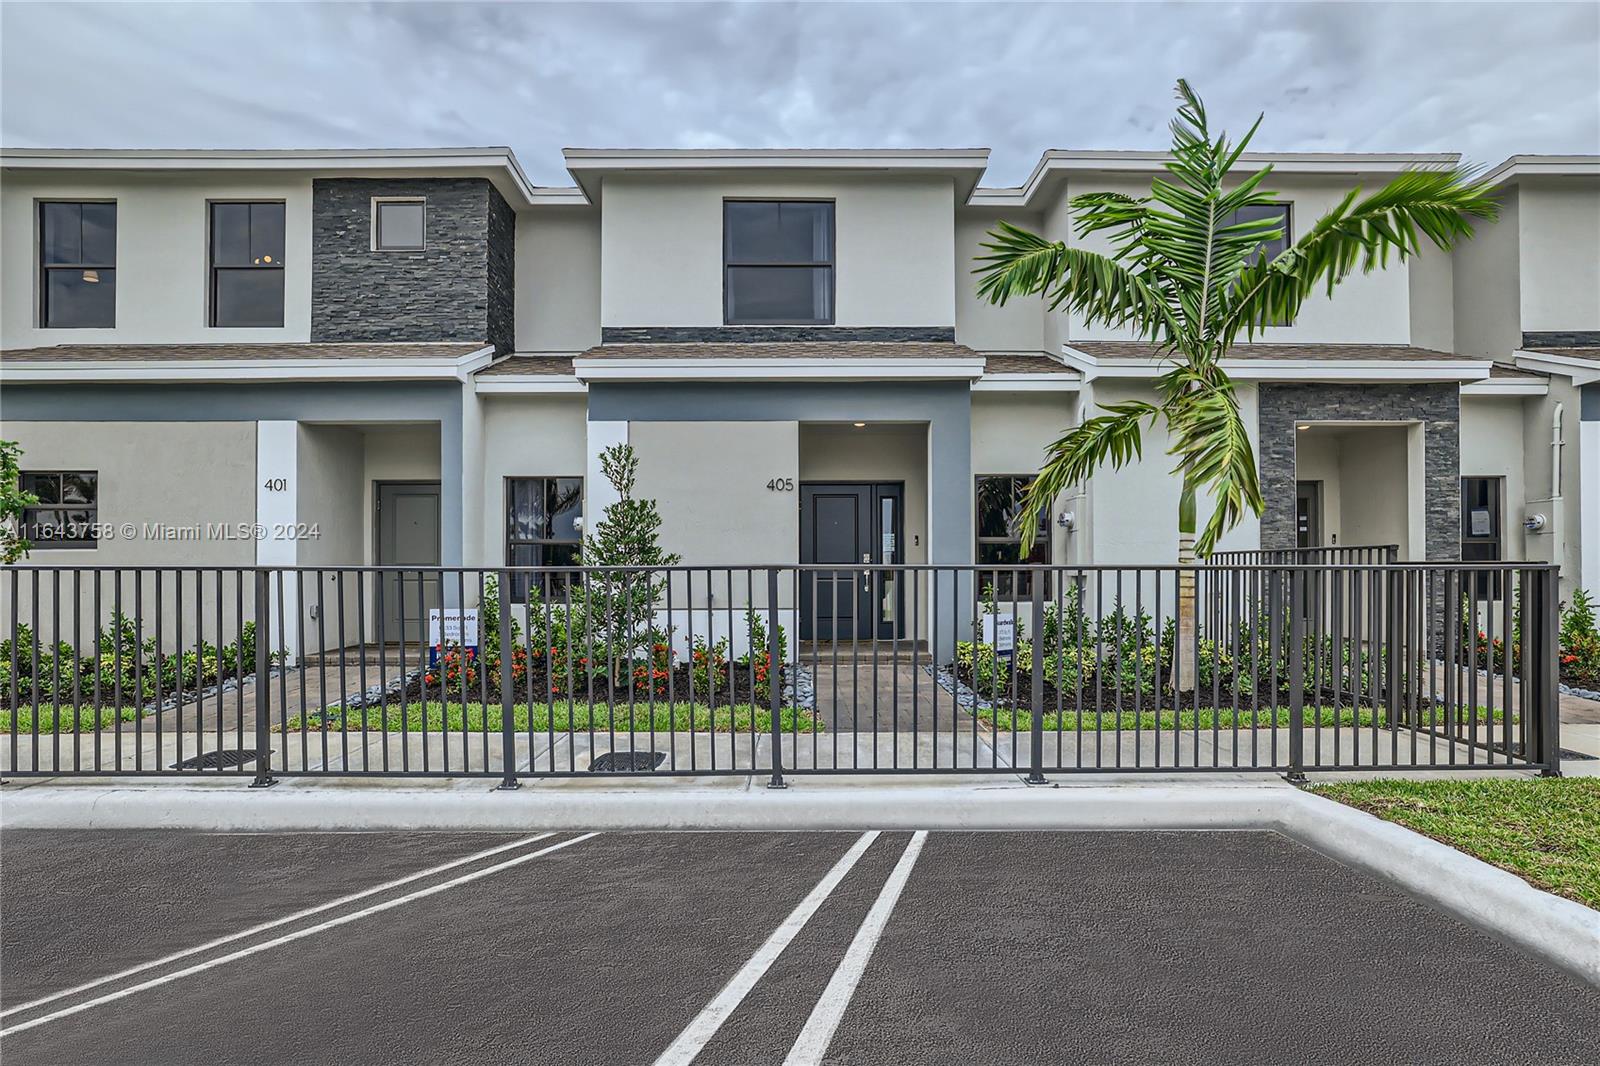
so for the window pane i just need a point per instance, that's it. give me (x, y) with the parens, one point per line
(47, 487)
(100, 234)
(998, 501)
(779, 294)
(400, 225)
(1278, 213)
(78, 488)
(779, 232)
(230, 234)
(249, 297)
(61, 233)
(526, 517)
(83, 298)
(565, 507)
(266, 234)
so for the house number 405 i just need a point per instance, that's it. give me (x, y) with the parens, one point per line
(781, 484)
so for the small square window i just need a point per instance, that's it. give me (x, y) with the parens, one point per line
(68, 508)
(397, 225)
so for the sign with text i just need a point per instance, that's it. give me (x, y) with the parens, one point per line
(1000, 632)
(452, 627)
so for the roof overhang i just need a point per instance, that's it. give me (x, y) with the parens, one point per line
(589, 166)
(1581, 371)
(174, 371)
(529, 385)
(1027, 383)
(1358, 370)
(499, 165)
(741, 369)
(1506, 387)
(1518, 167)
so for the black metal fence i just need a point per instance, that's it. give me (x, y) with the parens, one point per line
(781, 670)
(1321, 555)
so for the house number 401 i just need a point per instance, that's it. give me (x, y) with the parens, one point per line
(275, 484)
(781, 484)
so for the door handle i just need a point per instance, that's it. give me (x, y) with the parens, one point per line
(866, 575)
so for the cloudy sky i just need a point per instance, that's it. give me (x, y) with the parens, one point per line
(1487, 80)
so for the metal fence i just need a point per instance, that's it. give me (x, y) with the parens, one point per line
(517, 674)
(1321, 555)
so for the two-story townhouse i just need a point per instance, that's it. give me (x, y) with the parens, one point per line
(422, 357)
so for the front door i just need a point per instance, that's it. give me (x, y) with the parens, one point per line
(855, 525)
(408, 535)
(1308, 514)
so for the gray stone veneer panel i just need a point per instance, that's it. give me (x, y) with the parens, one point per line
(1566, 338)
(458, 288)
(312, 401)
(771, 334)
(1437, 406)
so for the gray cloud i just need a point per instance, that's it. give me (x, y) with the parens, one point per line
(1487, 80)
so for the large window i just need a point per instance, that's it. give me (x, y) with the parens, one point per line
(247, 264)
(999, 506)
(777, 262)
(1278, 213)
(1482, 539)
(67, 510)
(78, 265)
(543, 527)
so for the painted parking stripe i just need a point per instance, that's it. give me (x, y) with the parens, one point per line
(275, 923)
(699, 1032)
(814, 1039)
(298, 934)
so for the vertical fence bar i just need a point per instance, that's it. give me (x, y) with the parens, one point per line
(508, 647)
(1036, 683)
(1542, 669)
(774, 688)
(1297, 677)
(263, 680)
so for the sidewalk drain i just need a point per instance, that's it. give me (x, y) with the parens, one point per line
(216, 760)
(627, 761)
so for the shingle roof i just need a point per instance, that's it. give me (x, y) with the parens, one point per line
(165, 353)
(521, 365)
(1325, 352)
(1506, 370)
(1024, 363)
(786, 350)
(1591, 355)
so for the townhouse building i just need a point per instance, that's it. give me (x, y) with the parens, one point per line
(417, 357)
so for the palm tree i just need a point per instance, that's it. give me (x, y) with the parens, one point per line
(1185, 275)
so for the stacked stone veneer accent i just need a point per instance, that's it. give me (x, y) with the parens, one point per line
(1438, 407)
(460, 287)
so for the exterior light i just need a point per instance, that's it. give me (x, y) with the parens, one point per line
(859, 425)
(1302, 428)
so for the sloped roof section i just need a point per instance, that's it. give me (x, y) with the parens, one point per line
(1590, 355)
(923, 350)
(529, 366)
(1324, 352)
(210, 353)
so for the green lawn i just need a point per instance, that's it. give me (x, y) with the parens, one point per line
(665, 718)
(1545, 830)
(1205, 718)
(53, 719)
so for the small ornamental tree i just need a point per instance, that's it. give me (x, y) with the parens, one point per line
(621, 603)
(13, 502)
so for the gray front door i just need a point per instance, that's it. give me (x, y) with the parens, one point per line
(408, 536)
(854, 525)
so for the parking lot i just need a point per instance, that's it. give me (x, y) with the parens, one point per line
(735, 948)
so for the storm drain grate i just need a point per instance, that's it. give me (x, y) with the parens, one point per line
(216, 760)
(627, 761)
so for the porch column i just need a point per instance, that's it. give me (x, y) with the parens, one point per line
(950, 522)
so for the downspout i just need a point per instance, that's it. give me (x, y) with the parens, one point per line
(1555, 451)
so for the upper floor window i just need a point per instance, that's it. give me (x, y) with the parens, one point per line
(67, 510)
(1278, 213)
(247, 264)
(777, 262)
(397, 223)
(77, 265)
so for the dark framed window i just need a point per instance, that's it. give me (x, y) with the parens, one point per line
(398, 224)
(998, 508)
(777, 258)
(77, 265)
(1482, 530)
(1279, 213)
(543, 528)
(68, 508)
(247, 264)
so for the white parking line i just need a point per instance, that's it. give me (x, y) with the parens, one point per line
(699, 1032)
(275, 923)
(814, 1039)
(298, 934)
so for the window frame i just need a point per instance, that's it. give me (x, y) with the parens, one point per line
(510, 542)
(1485, 586)
(832, 263)
(1288, 222)
(24, 526)
(43, 269)
(376, 230)
(213, 270)
(1047, 535)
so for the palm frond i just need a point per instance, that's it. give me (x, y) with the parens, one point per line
(1093, 285)
(1214, 454)
(1115, 437)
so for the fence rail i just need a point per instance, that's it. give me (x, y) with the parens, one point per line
(517, 674)
(1325, 555)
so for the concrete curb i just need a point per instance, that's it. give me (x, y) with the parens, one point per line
(1565, 933)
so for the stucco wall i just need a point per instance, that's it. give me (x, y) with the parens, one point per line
(329, 490)
(1010, 433)
(526, 436)
(1013, 327)
(558, 279)
(1564, 544)
(1487, 284)
(661, 245)
(875, 453)
(162, 255)
(1431, 276)
(1560, 231)
(1492, 446)
(1375, 506)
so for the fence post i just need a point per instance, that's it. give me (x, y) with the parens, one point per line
(774, 685)
(1543, 669)
(1297, 678)
(1393, 646)
(1036, 685)
(263, 679)
(508, 649)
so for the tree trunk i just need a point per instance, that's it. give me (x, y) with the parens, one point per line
(1183, 651)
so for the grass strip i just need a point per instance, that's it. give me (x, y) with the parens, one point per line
(1544, 830)
(63, 719)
